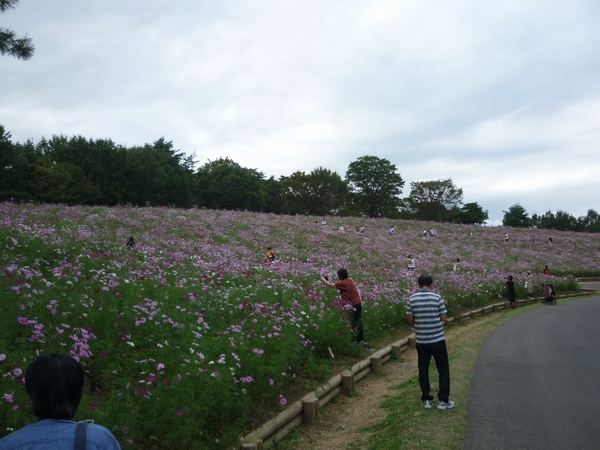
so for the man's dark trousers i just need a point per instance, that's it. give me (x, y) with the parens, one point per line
(357, 321)
(440, 354)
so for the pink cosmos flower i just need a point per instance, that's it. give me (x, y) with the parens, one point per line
(179, 412)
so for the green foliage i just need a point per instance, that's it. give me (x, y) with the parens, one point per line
(94, 171)
(590, 222)
(433, 200)
(273, 196)
(158, 175)
(559, 221)
(224, 184)
(375, 186)
(321, 192)
(471, 213)
(564, 221)
(10, 44)
(516, 217)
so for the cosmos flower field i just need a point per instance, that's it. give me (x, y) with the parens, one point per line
(183, 336)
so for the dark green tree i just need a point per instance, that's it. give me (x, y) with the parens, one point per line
(8, 157)
(99, 162)
(10, 43)
(590, 222)
(273, 196)
(321, 192)
(157, 174)
(472, 213)
(560, 221)
(375, 186)
(434, 200)
(20, 177)
(224, 184)
(517, 217)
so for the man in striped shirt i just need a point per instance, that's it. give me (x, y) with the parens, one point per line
(428, 312)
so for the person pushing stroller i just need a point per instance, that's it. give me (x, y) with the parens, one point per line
(549, 295)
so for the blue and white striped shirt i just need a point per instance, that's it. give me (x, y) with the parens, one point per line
(426, 307)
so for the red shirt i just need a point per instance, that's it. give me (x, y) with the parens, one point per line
(348, 291)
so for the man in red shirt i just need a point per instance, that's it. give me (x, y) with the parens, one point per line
(349, 294)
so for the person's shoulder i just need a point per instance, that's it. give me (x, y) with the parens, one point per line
(39, 434)
(102, 437)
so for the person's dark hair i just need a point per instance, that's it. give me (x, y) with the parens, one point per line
(55, 385)
(510, 277)
(342, 274)
(425, 280)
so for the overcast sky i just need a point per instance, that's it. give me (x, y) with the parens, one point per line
(501, 96)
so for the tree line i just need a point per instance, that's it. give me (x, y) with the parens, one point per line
(518, 217)
(76, 170)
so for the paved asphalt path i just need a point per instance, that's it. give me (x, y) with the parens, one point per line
(536, 381)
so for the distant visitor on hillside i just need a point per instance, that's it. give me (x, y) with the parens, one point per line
(341, 230)
(546, 270)
(424, 233)
(392, 230)
(362, 229)
(411, 262)
(130, 242)
(349, 293)
(550, 240)
(270, 255)
(456, 267)
(512, 296)
(505, 237)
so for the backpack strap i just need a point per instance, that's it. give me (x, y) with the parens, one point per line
(81, 435)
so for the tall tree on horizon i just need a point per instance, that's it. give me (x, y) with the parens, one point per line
(471, 213)
(224, 184)
(434, 200)
(375, 186)
(320, 192)
(10, 43)
(517, 217)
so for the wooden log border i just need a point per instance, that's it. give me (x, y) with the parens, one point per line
(294, 415)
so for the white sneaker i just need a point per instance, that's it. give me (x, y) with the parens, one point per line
(446, 405)
(427, 404)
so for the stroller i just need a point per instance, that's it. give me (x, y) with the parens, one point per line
(549, 295)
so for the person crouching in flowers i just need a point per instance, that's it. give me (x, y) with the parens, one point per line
(270, 255)
(349, 293)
